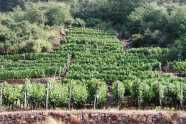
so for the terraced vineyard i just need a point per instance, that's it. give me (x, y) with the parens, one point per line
(100, 56)
(97, 55)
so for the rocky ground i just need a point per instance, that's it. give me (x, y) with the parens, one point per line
(93, 117)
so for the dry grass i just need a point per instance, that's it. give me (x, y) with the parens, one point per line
(50, 120)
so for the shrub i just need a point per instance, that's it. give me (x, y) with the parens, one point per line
(35, 14)
(93, 22)
(102, 94)
(8, 5)
(118, 90)
(180, 47)
(39, 45)
(79, 93)
(147, 91)
(36, 94)
(11, 94)
(58, 95)
(170, 93)
(92, 87)
(23, 37)
(97, 88)
(79, 22)
(178, 66)
(58, 14)
(145, 25)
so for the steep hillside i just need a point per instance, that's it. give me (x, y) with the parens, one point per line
(88, 60)
(95, 54)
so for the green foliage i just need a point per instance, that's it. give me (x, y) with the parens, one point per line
(79, 93)
(79, 22)
(146, 24)
(35, 14)
(118, 91)
(58, 14)
(147, 91)
(11, 94)
(92, 87)
(23, 37)
(36, 94)
(102, 94)
(118, 10)
(178, 66)
(98, 58)
(58, 94)
(180, 48)
(25, 30)
(7, 5)
(98, 89)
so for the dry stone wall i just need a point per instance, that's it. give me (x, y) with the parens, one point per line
(92, 117)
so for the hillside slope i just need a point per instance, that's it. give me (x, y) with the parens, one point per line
(91, 56)
(95, 53)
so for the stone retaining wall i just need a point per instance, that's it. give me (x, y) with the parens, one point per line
(92, 117)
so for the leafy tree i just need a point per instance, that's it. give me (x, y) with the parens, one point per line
(119, 9)
(146, 24)
(180, 47)
(7, 5)
(35, 14)
(58, 15)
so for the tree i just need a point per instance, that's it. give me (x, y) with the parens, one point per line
(7, 5)
(180, 47)
(119, 9)
(58, 14)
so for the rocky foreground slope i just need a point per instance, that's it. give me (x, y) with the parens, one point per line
(93, 117)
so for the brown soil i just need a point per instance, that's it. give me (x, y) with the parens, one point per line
(111, 116)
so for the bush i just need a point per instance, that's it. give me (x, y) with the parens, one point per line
(180, 47)
(58, 96)
(93, 22)
(8, 5)
(102, 94)
(58, 14)
(79, 93)
(118, 91)
(143, 91)
(170, 93)
(79, 22)
(178, 66)
(145, 25)
(147, 91)
(38, 46)
(36, 94)
(11, 94)
(156, 25)
(92, 87)
(35, 14)
(25, 30)
(23, 37)
(97, 88)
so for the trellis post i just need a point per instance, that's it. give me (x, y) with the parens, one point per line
(70, 95)
(25, 97)
(47, 94)
(1, 96)
(95, 101)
